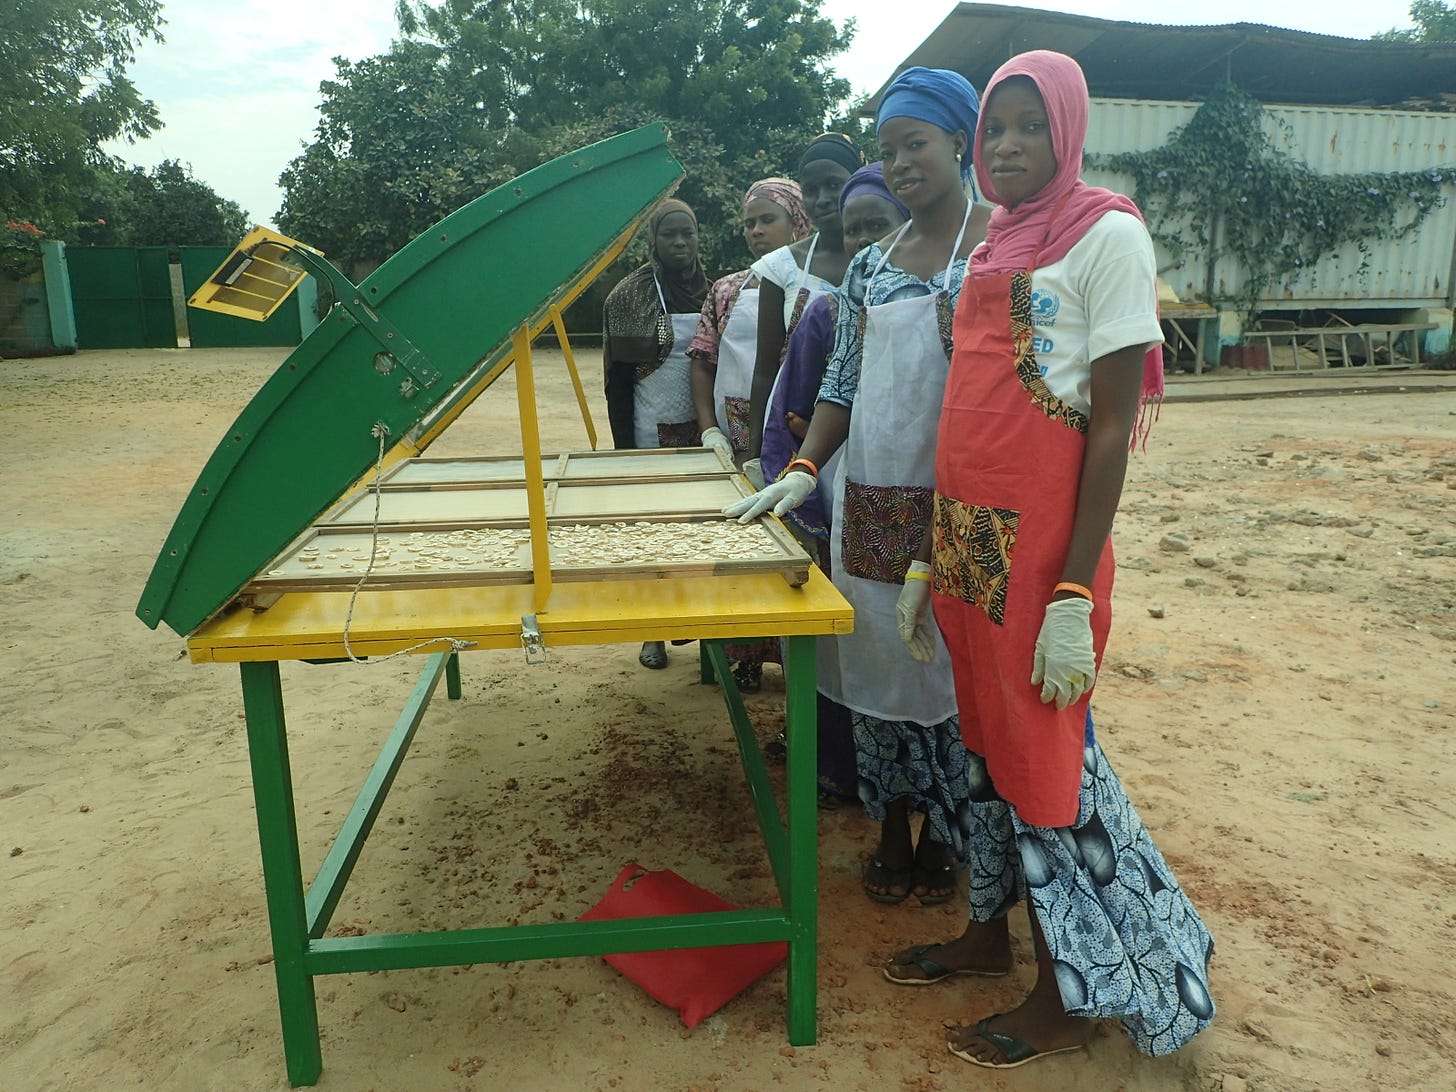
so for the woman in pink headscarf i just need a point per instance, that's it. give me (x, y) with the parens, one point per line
(1055, 337)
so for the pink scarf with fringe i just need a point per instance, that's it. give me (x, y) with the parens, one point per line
(1046, 226)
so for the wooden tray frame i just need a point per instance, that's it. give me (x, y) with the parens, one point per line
(792, 562)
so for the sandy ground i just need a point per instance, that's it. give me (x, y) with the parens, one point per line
(1280, 698)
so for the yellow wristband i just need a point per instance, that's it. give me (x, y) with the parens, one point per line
(916, 574)
(1067, 585)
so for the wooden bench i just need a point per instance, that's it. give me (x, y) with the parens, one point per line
(1173, 316)
(1377, 338)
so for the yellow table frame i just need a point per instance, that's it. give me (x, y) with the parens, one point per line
(309, 627)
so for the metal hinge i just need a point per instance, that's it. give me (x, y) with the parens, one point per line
(532, 642)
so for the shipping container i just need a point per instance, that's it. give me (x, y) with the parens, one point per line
(1412, 272)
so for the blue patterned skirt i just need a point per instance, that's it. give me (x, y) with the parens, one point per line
(1124, 939)
(928, 765)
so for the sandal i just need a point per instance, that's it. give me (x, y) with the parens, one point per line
(881, 875)
(935, 972)
(653, 655)
(749, 676)
(1017, 1052)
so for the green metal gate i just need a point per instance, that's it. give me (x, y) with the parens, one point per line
(122, 297)
(211, 330)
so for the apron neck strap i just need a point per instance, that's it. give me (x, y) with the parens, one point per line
(660, 297)
(954, 250)
(802, 279)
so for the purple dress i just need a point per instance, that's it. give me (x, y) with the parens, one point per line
(796, 392)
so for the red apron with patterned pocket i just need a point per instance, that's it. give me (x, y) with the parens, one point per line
(1007, 470)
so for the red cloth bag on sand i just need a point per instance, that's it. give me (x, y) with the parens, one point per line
(695, 981)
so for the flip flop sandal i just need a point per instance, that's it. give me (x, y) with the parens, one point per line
(653, 655)
(1017, 1052)
(749, 677)
(887, 877)
(777, 748)
(943, 878)
(935, 972)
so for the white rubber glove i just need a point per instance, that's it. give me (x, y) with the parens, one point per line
(753, 471)
(787, 493)
(713, 437)
(1064, 664)
(912, 614)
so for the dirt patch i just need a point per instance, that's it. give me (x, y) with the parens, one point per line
(1278, 699)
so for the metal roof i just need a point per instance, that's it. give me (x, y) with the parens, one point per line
(1184, 63)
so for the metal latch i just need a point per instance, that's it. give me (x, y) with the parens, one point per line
(532, 642)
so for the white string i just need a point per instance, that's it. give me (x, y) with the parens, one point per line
(381, 431)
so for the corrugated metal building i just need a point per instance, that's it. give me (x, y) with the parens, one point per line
(1407, 273)
(1346, 105)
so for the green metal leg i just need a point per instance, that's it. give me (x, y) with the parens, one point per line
(705, 665)
(452, 677)
(282, 869)
(802, 900)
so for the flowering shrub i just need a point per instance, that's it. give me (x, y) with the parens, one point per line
(20, 248)
(1220, 177)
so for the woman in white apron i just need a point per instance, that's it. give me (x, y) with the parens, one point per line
(648, 320)
(869, 212)
(722, 353)
(723, 348)
(795, 275)
(890, 362)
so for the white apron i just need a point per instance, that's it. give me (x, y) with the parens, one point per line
(662, 403)
(737, 351)
(797, 298)
(882, 497)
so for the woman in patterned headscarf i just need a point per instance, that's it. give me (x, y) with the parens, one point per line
(794, 276)
(723, 353)
(648, 320)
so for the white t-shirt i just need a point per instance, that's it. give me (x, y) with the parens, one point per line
(1101, 297)
(779, 267)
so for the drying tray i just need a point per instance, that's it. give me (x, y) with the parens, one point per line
(622, 515)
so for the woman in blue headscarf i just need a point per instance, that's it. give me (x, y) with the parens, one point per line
(891, 356)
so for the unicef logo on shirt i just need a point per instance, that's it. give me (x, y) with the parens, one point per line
(1044, 307)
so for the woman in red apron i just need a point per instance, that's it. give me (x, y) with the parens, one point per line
(880, 400)
(722, 353)
(1052, 347)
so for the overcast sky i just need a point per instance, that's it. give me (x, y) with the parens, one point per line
(237, 85)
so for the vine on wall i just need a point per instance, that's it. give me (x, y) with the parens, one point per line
(1221, 178)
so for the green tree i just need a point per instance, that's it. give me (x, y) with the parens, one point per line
(175, 208)
(63, 91)
(1434, 22)
(476, 92)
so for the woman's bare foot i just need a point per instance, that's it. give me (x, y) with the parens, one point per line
(984, 948)
(887, 877)
(933, 880)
